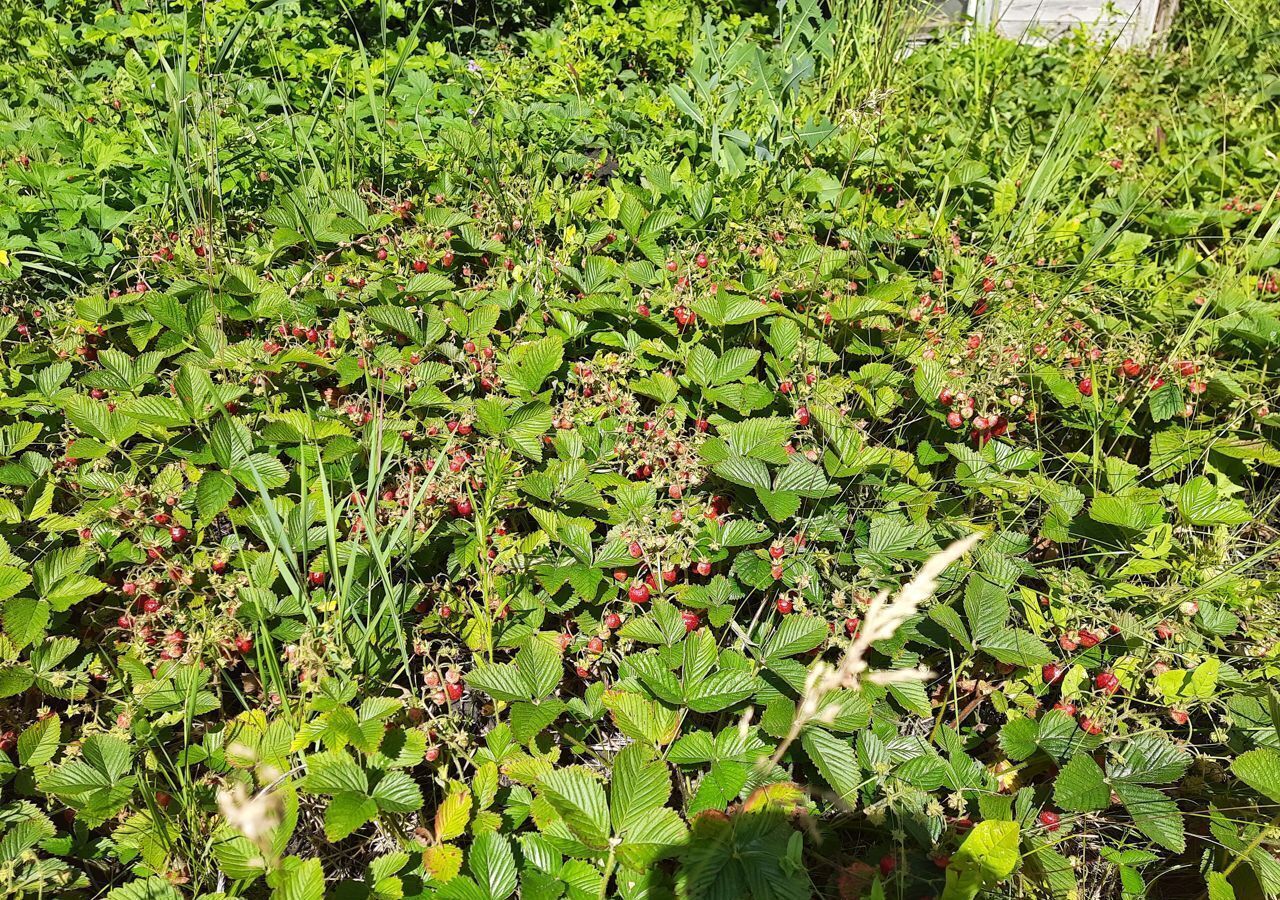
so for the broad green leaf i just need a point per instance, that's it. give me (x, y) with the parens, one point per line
(452, 815)
(1260, 769)
(988, 855)
(346, 812)
(397, 792)
(493, 865)
(578, 797)
(1154, 814)
(1080, 787)
(39, 742)
(638, 785)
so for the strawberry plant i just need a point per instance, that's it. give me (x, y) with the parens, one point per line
(654, 451)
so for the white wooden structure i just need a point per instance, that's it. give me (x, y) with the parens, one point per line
(1131, 23)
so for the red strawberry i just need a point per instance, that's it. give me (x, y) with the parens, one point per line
(691, 620)
(1106, 682)
(1050, 820)
(638, 592)
(1090, 726)
(1052, 673)
(613, 621)
(784, 605)
(316, 578)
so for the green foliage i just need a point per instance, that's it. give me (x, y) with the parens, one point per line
(439, 462)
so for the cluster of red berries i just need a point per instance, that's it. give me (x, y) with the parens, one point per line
(447, 690)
